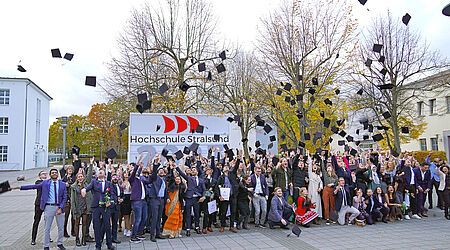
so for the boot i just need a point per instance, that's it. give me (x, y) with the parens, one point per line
(244, 223)
(241, 218)
(83, 241)
(77, 242)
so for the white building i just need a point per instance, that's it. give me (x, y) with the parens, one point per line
(433, 106)
(24, 123)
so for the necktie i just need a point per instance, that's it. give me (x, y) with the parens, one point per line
(56, 195)
(344, 196)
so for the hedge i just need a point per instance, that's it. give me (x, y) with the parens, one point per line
(422, 155)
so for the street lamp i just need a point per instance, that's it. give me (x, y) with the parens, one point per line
(64, 120)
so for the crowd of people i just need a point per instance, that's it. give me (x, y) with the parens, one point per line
(165, 199)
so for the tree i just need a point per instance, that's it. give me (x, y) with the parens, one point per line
(162, 44)
(298, 43)
(404, 58)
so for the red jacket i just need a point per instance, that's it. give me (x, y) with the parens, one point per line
(303, 206)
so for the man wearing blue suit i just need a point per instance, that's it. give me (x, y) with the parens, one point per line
(343, 202)
(423, 186)
(280, 210)
(260, 196)
(409, 178)
(101, 213)
(194, 194)
(53, 199)
(158, 194)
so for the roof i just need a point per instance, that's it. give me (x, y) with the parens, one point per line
(424, 81)
(27, 79)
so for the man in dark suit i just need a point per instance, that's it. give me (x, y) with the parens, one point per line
(101, 212)
(158, 194)
(210, 184)
(423, 186)
(193, 196)
(343, 202)
(53, 199)
(260, 196)
(118, 195)
(409, 178)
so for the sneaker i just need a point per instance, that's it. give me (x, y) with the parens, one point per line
(262, 226)
(415, 216)
(141, 237)
(328, 222)
(129, 233)
(125, 232)
(135, 240)
(407, 217)
(256, 225)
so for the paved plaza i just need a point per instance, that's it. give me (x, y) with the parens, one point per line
(16, 217)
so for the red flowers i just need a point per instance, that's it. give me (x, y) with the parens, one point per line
(107, 189)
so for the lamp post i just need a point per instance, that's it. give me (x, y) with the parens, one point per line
(64, 120)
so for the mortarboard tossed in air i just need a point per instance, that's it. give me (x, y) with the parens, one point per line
(317, 136)
(123, 126)
(257, 144)
(312, 99)
(270, 145)
(328, 101)
(340, 122)
(288, 87)
(209, 77)
(220, 68)
(322, 114)
(147, 105)
(199, 129)
(342, 133)
(179, 154)
(368, 62)
(301, 144)
(194, 147)
(201, 67)
(163, 88)
(91, 81)
(349, 138)
(307, 137)
(287, 99)
(405, 130)
(326, 123)
(56, 53)
(315, 81)
(377, 48)
(76, 150)
(299, 98)
(357, 143)
(357, 131)
(353, 152)
(260, 123)
(184, 86)
(337, 91)
(381, 59)
(330, 139)
(267, 128)
(312, 91)
(386, 115)
(164, 152)
(279, 92)
(377, 137)
(362, 2)
(383, 72)
(237, 118)
(386, 86)
(257, 118)
(346, 148)
(186, 150)
(370, 128)
(216, 137)
(21, 69)
(142, 98)
(223, 55)
(334, 129)
(4, 187)
(341, 142)
(406, 18)
(230, 119)
(360, 92)
(68, 56)
(284, 147)
(225, 146)
(111, 154)
(293, 102)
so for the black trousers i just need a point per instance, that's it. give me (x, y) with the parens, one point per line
(434, 184)
(208, 219)
(101, 217)
(445, 198)
(114, 218)
(37, 218)
(192, 203)
(412, 199)
(223, 208)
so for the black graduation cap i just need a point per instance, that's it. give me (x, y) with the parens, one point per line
(147, 105)
(68, 56)
(386, 115)
(142, 98)
(270, 145)
(346, 148)
(370, 128)
(220, 68)
(362, 2)
(377, 48)
(260, 123)
(349, 138)
(158, 127)
(322, 114)
(199, 129)
(267, 128)
(381, 59)
(368, 62)
(337, 91)
(184, 86)
(360, 92)
(223, 55)
(301, 144)
(56, 53)
(330, 139)
(4, 187)
(237, 118)
(179, 154)
(91, 81)
(257, 144)
(140, 108)
(340, 122)
(307, 136)
(279, 92)
(275, 160)
(76, 129)
(341, 142)
(123, 126)
(287, 99)
(405, 130)
(343, 133)
(230, 154)
(21, 69)
(244, 140)
(383, 72)
(311, 91)
(216, 137)
(111, 154)
(299, 98)
(326, 123)
(312, 99)
(357, 143)
(209, 77)
(283, 137)
(186, 150)
(365, 137)
(357, 131)
(317, 135)
(293, 102)
(201, 67)
(230, 119)
(193, 147)
(406, 18)
(284, 147)
(76, 150)
(273, 138)
(257, 118)
(315, 81)
(163, 88)
(334, 129)
(353, 152)
(328, 101)
(377, 137)
(164, 152)
(287, 87)
(386, 86)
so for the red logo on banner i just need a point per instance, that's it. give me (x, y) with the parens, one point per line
(181, 124)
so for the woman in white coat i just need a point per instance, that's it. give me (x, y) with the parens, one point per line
(315, 186)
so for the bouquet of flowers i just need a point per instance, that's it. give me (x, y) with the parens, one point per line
(208, 193)
(107, 199)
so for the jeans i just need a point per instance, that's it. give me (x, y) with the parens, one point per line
(140, 215)
(286, 194)
(260, 205)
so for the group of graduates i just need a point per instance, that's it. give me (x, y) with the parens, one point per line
(160, 197)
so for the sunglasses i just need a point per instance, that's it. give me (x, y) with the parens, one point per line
(115, 177)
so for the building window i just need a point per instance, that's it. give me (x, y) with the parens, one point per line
(447, 100)
(423, 144)
(434, 144)
(3, 153)
(3, 125)
(433, 107)
(38, 121)
(4, 96)
(420, 107)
